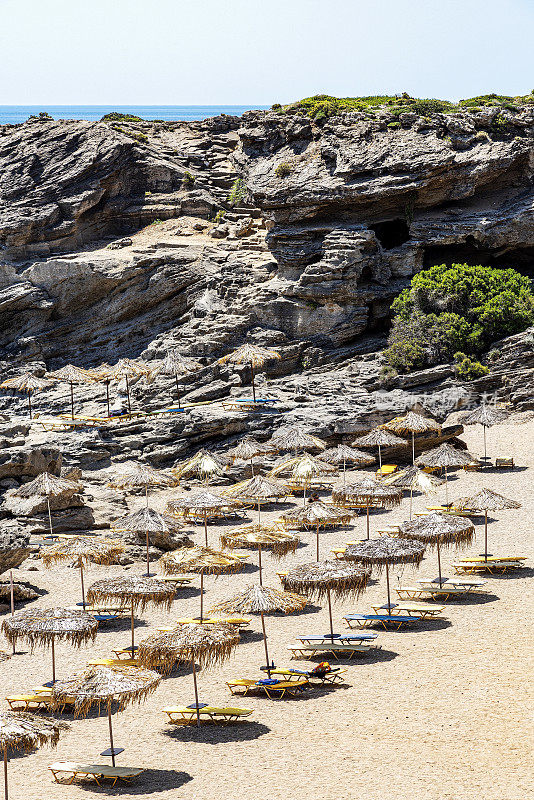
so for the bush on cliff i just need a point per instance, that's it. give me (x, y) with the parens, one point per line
(456, 308)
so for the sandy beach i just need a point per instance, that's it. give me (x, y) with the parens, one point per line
(441, 710)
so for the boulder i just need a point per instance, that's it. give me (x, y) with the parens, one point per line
(14, 546)
(27, 461)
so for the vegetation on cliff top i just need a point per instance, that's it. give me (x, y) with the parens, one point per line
(457, 311)
(324, 105)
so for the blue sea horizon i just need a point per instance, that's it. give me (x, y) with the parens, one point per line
(17, 114)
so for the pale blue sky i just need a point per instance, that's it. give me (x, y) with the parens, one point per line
(244, 51)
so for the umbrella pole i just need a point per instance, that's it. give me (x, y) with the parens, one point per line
(446, 488)
(132, 627)
(344, 472)
(202, 595)
(368, 519)
(259, 512)
(265, 645)
(486, 535)
(5, 774)
(107, 398)
(30, 407)
(252, 466)
(49, 515)
(72, 400)
(380, 459)
(411, 500)
(147, 556)
(111, 735)
(206, 528)
(439, 563)
(253, 385)
(317, 541)
(177, 387)
(196, 688)
(83, 587)
(330, 615)
(304, 496)
(413, 447)
(485, 453)
(12, 599)
(128, 394)
(389, 591)
(53, 660)
(259, 563)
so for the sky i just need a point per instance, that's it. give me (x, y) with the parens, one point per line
(214, 52)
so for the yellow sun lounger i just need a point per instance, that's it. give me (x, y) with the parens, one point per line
(422, 610)
(280, 689)
(184, 715)
(332, 676)
(385, 470)
(73, 769)
(113, 662)
(242, 622)
(35, 701)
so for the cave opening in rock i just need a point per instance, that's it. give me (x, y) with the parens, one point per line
(520, 258)
(391, 233)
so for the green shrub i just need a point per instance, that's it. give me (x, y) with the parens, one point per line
(468, 369)
(219, 216)
(116, 117)
(394, 124)
(283, 170)
(238, 192)
(386, 376)
(431, 106)
(188, 180)
(44, 116)
(455, 308)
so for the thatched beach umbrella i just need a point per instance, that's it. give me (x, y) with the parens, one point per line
(342, 454)
(25, 732)
(294, 438)
(101, 375)
(146, 520)
(378, 438)
(45, 626)
(254, 356)
(136, 591)
(445, 456)
(414, 478)
(368, 492)
(176, 364)
(302, 470)
(103, 686)
(203, 464)
(261, 537)
(486, 500)
(412, 423)
(487, 416)
(200, 560)
(204, 504)
(383, 552)
(257, 490)
(47, 485)
(72, 374)
(247, 450)
(132, 475)
(80, 551)
(205, 645)
(316, 515)
(26, 384)
(438, 529)
(127, 369)
(320, 579)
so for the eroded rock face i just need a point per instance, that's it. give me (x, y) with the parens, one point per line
(24, 460)
(14, 546)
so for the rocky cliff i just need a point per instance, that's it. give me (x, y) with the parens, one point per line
(124, 239)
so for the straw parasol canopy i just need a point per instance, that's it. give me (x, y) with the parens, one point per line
(200, 560)
(254, 356)
(260, 537)
(320, 579)
(438, 529)
(445, 456)
(127, 369)
(132, 475)
(205, 645)
(101, 685)
(342, 454)
(43, 626)
(203, 504)
(293, 437)
(487, 416)
(378, 438)
(414, 478)
(316, 515)
(203, 464)
(26, 384)
(247, 449)
(80, 551)
(486, 500)
(383, 552)
(412, 423)
(47, 485)
(261, 600)
(24, 732)
(302, 470)
(136, 591)
(368, 492)
(257, 489)
(176, 364)
(72, 374)
(147, 520)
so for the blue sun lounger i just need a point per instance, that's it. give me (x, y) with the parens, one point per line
(386, 620)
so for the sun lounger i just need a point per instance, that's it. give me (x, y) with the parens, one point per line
(113, 662)
(450, 509)
(504, 463)
(125, 652)
(174, 579)
(73, 769)
(245, 404)
(331, 676)
(338, 552)
(407, 608)
(241, 622)
(187, 715)
(385, 620)
(272, 689)
(335, 647)
(431, 591)
(338, 637)
(34, 702)
(492, 564)
(385, 470)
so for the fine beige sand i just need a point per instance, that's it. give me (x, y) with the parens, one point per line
(441, 711)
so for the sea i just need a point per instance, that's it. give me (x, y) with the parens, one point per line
(16, 114)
